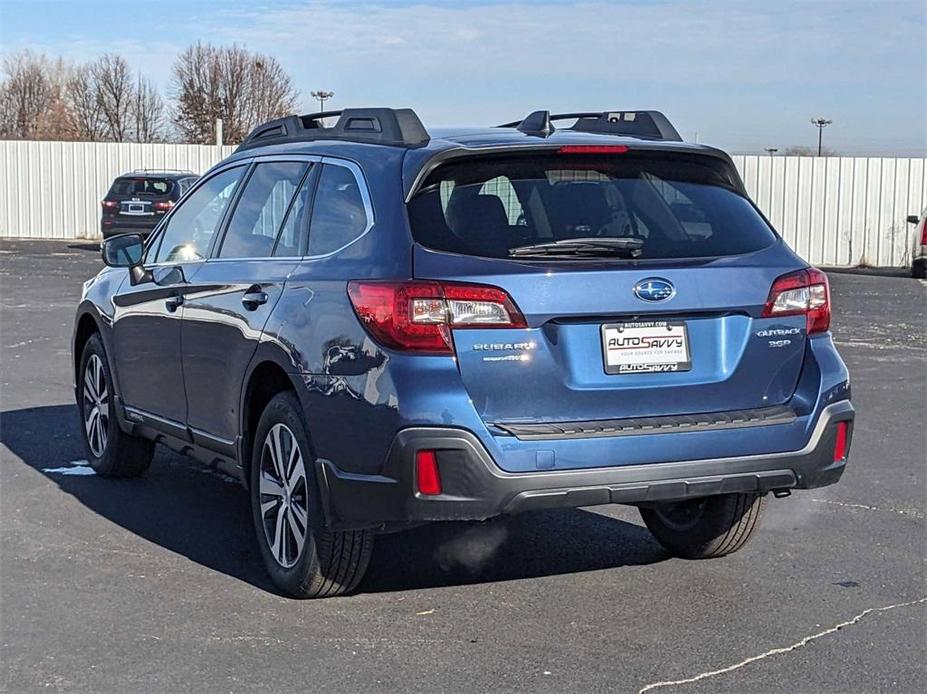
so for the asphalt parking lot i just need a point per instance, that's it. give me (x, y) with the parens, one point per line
(155, 584)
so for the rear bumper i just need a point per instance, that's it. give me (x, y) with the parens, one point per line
(475, 488)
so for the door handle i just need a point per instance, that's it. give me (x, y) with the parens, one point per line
(172, 302)
(251, 300)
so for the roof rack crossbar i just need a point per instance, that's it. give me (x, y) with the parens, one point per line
(399, 127)
(651, 125)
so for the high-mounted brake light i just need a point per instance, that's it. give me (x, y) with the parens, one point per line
(806, 293)
(418, 316)
(592, 149)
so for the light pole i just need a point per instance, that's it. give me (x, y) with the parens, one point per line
(820, 124)
(772, 150)
(322, 96)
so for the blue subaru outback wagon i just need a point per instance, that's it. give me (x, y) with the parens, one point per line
(377, 326)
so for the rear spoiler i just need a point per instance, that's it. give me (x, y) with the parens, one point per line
(418, 165)
(650, 125)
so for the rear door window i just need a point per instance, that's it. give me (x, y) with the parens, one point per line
(261, 209)
(675, 206)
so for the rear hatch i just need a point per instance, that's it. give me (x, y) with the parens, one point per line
(138, 200)
(641, 276)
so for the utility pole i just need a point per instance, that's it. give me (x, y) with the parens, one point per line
(820, 124)
(772, 150)
(322, 96)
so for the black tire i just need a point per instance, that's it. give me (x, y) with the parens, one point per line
(708, 527)
(110, 451)
(919, 269)
(328, 563)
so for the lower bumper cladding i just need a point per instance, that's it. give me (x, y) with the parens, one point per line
(473, 487)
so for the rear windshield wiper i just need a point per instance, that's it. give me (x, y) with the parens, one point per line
(617, 246)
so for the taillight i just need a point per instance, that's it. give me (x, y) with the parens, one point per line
(924, 231)
(805, 292)
(592, 149)
(418, 316)
(109, 204)
(164, 205)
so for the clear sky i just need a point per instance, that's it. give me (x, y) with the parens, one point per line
(743, 75)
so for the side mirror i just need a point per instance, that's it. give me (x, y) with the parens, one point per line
(913, 219)
(125, 250)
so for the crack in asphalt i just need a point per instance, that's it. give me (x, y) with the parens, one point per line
(777, 651)
(864, 507)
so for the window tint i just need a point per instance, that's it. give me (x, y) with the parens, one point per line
(191, 226)
(338, 213)
(260, 209)
(501, 187)
(292, 241)
(679, 207)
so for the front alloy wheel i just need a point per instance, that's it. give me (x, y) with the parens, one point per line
(96, 406)
(284, 496)
(112, 452)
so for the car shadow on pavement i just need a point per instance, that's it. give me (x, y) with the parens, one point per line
(181, 507)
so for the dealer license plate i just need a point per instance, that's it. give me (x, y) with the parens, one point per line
(645, 347)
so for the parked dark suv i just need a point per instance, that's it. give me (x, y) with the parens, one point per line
(137, 201)
(375, 326)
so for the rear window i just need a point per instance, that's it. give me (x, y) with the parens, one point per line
(677, 207)
(151, 187)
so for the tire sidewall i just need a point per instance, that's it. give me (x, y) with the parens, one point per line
(285, 409)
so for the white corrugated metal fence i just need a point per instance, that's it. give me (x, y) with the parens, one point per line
(831, 210)
(54, 189)
(840, 210)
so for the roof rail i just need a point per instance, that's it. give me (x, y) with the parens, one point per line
(182, 171)
(399, 127)
(651, 125)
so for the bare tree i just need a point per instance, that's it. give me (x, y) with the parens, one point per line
(115, 91)
(85, 109)
(241, 88)
(147, 111)
(272, 93)
(805, 151)
(29, 92)
(195, 85)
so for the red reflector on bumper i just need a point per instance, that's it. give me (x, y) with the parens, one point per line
(840, 445)
(426, 471)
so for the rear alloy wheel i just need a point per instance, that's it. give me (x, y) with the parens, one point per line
(111, 451)
(303, 557)
(284, 496)
(706, 527)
